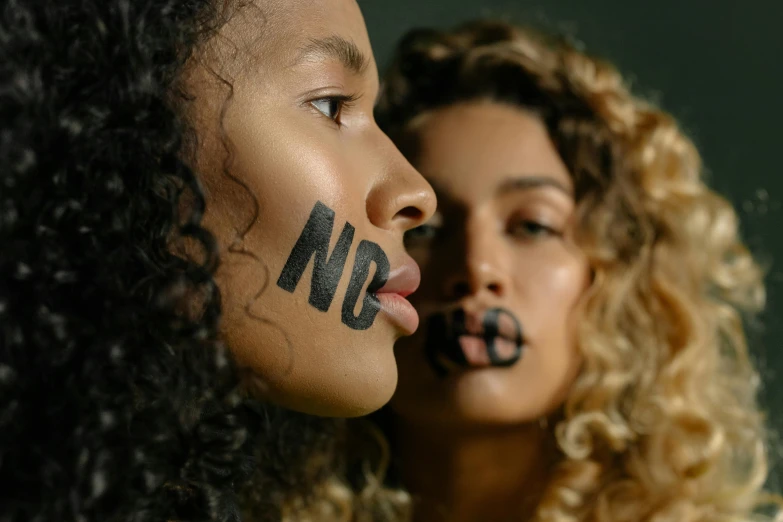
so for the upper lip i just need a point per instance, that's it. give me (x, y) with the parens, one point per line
(403, 280)
(473, 325)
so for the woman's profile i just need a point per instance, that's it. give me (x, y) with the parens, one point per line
(199, 218)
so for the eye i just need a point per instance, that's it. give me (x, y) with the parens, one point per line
(530, 229)
(420, 234)
(332, 106)
(329, 107)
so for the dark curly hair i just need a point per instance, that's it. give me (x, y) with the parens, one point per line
(115, 404)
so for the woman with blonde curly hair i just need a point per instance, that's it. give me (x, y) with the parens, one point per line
(582, 355)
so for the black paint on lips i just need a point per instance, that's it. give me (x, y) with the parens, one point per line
(445, 329)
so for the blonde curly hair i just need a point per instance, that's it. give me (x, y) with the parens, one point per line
(662, 423)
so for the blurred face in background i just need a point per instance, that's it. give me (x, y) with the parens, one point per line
(501, 277)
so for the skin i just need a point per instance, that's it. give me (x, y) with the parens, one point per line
(471, 444)
(294, 142)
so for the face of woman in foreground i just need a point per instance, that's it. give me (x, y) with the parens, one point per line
(501, 278)
(313, 291)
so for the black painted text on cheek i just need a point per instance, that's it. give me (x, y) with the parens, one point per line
(328, 269)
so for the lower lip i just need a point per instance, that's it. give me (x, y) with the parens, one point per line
(475, 350)
(400, 311)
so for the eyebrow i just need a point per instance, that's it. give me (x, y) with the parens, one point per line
(532, 182)
(336, 47)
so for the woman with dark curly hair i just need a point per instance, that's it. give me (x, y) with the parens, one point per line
(582, 355)
(168, 170)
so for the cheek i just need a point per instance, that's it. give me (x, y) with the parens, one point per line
(282, 161)
(550, 294)
(552, 282)
(300, 322)
(258, 205)
(288, 169)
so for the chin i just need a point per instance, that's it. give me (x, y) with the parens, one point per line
(488, 397)
(367, 384)
(473, 413)
(481, 413)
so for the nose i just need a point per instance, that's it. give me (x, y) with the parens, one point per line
(478, 266)
(401, 199)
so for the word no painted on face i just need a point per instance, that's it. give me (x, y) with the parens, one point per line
(328, 268)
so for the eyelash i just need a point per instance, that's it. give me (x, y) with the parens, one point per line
(343, 102)
(428, 232)
(539, 230)
(519, 228)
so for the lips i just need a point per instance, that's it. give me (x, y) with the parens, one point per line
(402, 282)
(486, 324)
(461, 340)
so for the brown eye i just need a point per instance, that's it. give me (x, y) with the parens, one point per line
(329, 107)
(333, 106)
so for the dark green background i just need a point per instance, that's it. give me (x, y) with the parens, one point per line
(717, 66)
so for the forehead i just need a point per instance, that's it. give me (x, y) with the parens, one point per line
(278, 30)
(468, 150)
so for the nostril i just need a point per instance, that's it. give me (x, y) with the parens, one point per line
(494, 288)
(411, 213)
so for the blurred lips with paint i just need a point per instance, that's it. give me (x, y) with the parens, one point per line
(458, 339)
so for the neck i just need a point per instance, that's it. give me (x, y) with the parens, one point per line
(472, 475)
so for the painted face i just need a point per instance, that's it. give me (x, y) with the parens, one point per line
(501, 277)
(313, 279)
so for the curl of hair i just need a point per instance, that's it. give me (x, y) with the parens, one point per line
(662, 423)
(116, 401)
